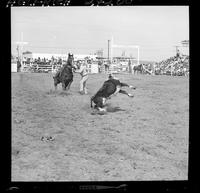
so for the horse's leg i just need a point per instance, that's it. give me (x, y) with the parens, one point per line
(67, 84)
(55, 83)
(68, 87)
(63, 85)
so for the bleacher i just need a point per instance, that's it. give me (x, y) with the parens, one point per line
(176, 66)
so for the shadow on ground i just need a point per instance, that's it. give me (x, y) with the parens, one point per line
(109, 109)
(114, 109)
(58, 92)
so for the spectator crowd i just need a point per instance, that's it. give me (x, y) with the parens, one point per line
(176, 66)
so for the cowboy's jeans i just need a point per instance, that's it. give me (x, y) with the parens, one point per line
(83, 84)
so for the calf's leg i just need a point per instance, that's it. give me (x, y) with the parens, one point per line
(101, 103)
(124, 92)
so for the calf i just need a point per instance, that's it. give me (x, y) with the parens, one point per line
(110, 87)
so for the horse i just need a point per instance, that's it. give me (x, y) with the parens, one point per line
(65, 74)
(139, 68)
(110, 87)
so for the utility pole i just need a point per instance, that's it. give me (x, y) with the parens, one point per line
(108, 49)
(17, 51)
(21, 43)
(123, 53)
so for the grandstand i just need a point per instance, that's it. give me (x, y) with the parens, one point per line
(176, 65)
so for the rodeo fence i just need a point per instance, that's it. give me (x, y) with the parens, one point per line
(174, 66)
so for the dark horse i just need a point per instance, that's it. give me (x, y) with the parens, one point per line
(138, 68)
(65, 74)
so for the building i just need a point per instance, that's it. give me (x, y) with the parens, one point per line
(185, 43)
(185, 47)
(31, 55)
(13, 67)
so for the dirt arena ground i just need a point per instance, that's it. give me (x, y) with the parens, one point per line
(56, 136)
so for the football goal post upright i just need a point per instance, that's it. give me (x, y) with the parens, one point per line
(20, 46)
(112, 45)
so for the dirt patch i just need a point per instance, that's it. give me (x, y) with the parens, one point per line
(56, 136)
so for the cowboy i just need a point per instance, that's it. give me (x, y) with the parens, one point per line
(82, 70)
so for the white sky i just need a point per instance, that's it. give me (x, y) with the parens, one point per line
(84, 30)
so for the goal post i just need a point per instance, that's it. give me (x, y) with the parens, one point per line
(124, 46)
